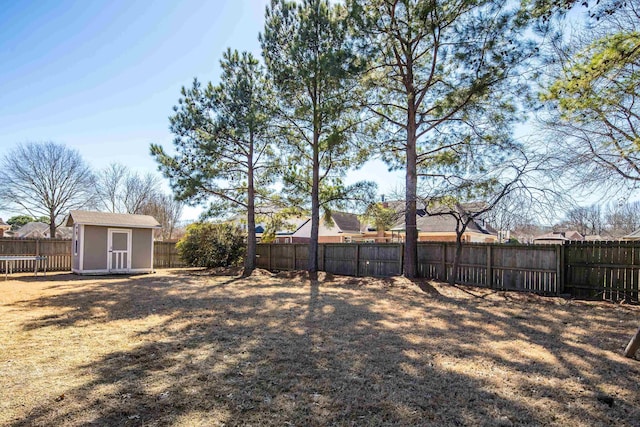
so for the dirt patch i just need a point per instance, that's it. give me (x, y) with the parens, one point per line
(185, 348)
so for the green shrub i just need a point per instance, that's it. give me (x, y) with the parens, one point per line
(212, 245)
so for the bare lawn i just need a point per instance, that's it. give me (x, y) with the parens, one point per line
(189, 348)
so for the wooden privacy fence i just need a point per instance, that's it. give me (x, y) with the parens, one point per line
(165, 255)
(610, 270)
(58, 253)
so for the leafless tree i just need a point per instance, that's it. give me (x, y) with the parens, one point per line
(622, 218)
(592, 104)
(140, 190)
(109, 185)
(45, 179)
(167, 211)
(484, 186)
(120, 190)
(586, 220)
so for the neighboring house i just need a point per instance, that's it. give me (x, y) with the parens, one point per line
(594, 238)
(40, 230)
(343, 228)
(4, 227)
(632, 236)
(558, 237)
(290, 226)
(374, 235)
(32, 230)
(437, 226)
(264, 217)
(111, 243)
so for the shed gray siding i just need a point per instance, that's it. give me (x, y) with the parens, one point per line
(141, 248)
(76, 245)
(95, 248)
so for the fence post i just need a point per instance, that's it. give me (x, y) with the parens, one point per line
(444, 262)
(294, 257)
(489, 267)
(269, 256)
(357, 259)
(559, 269)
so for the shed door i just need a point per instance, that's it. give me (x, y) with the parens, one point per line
(119, 250)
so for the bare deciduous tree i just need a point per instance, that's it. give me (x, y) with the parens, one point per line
(121, 190)
(45, 179)
(167, 211)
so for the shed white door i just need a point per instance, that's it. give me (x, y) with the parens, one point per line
(119, 250)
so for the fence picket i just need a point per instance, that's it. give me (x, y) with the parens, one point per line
(58, 253)
(609, 270)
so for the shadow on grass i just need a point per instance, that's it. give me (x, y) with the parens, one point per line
(271, 352)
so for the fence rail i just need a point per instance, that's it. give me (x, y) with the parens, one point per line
(610, 270)
(58, 253)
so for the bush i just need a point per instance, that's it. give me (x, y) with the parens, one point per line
(212, 245)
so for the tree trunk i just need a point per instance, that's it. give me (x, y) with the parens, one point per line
(315, 208)
(460, 229)
(411, 231)
(633, 345)
(250, 258)
(52, 226)
(456, 261)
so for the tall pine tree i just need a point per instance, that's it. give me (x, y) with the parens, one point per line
(223, 143)
(434, 64)
(310, 57)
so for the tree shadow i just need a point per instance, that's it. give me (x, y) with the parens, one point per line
(309, 352)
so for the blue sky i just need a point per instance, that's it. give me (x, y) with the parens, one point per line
(102, 76)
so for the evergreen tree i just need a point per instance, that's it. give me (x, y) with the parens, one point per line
(310, 58)
(592, 101)
(438, 73)
(223, 142)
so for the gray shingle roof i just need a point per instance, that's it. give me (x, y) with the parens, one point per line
(32, 229)
(346, 222)
(437, 220)
(111, 219)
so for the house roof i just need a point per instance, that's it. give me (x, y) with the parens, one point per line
(571, 235)
(633, 236)
(111, 219)
(346, 222)
(32, 229)
(343, 223)
(551, 236)
(291, 225)
(438, 221)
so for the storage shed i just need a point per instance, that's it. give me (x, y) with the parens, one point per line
(111, 243)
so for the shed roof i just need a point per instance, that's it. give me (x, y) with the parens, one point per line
(111, 219)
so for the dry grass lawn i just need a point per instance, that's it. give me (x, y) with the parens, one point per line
(185, 348)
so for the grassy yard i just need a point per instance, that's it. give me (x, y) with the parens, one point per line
(186, 348)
